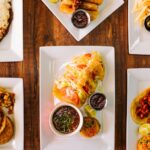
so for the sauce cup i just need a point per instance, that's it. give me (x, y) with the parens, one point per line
(80, 18)
(51, 123)
(98, 101)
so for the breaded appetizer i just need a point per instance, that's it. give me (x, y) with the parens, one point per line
(144, 143)
(90, 128)
(91, 6)
(7, 100)
(8, 132)
(2, 121)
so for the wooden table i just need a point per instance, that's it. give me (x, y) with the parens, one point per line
(41, 28)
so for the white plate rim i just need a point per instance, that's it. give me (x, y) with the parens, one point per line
(11, 55)
(130, 71)
(44, 52)
(18, 82)
(137, 43)
(117, 5)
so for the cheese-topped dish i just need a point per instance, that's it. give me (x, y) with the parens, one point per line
(140, 107)
(80, 79)
(144, 143)
(5, 17)
(7, 100)
(90, 128)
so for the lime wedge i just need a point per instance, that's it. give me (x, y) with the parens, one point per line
(53, 1)
(144, 129)
(89, 111)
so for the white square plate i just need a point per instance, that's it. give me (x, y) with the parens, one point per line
(11, 47)
(138, 80)
(51, 60)
(16, 86)
(107, 8)
(138, 35)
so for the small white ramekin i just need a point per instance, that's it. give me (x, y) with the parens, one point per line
(87, 14)
(56, 132)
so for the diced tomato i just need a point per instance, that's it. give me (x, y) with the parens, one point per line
(93, 75)
(70, 94)
(149, 99)
(82, 66)
(88, 55)
(148, 120)
(71, 77)
(86, 89)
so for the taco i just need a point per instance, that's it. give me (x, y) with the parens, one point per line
(80, 79)
(140, 107)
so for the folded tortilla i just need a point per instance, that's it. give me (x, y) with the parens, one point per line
(134, 105)
(80, 79)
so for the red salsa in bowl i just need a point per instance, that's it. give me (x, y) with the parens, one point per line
(66, 119)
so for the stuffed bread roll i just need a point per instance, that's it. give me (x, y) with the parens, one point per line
(80, 79)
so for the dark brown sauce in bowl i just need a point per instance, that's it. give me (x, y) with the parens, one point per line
(147, 23)
(80, 19)
(98, 101)
(66, 119)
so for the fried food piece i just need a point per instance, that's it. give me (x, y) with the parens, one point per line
(90, 128)
(7, 100)
(5, 17)
(69, 6)
(8, 132)
(89, 6)
(144, 143)
(66, 8)
(98, 2)
(93, 14)
(68, 2)
(2, 121)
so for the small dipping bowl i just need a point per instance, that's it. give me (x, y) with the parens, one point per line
(147, 23)
(80, 18)
(98, 101)
(59, 108)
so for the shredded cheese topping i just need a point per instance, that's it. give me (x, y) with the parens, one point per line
(142, 8)
(4, 13)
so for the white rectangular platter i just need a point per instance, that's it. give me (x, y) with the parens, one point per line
(11, 47)
(138, 80)
(138, 35)
(51, 59)
(15, 85)
(106, 9)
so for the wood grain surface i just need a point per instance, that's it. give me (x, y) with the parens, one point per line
(41, 28)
